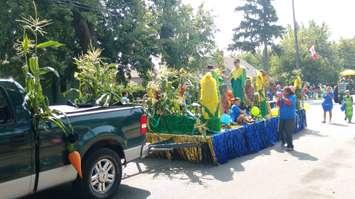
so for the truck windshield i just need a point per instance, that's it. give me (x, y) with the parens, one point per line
(5, 111)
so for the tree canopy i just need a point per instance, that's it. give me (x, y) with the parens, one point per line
(257, 29)
(130, 32)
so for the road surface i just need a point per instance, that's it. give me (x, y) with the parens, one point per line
(321, 167)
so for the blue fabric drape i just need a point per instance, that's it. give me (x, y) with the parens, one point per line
(251, 138)
(229, 145)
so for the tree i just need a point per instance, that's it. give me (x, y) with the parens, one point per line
(323, 70)
(130, 32)
(258, 28)
(345, 50)
(255, 59)
(186, 39)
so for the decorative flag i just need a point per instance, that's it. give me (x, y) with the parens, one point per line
(313, 52)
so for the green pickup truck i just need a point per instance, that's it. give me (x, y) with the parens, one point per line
(33, 161)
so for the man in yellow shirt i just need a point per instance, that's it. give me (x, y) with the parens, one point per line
(238, 78)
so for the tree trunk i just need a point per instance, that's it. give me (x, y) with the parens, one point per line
(82, 30)
(265, 58)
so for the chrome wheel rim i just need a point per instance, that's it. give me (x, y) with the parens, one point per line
(102, 176)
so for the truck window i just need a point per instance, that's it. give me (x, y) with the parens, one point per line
(6, 115)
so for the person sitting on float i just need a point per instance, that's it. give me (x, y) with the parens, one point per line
(249, 93)
(238, 115)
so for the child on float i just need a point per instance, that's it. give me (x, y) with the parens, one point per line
(249, 94)
(348, 104)
(238, 115)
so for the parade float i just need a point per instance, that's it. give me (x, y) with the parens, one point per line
(186, 121)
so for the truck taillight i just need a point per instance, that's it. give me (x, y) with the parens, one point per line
(144, 123)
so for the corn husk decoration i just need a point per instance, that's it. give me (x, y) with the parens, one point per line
(209, 94)
(210, 102)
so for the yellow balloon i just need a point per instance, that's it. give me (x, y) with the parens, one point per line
(275, 112)
(255, 111)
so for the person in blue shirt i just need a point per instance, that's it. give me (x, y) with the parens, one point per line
(288, 105)
(327, 103)
(239, 115)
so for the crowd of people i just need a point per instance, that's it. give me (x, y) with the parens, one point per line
(248, 99)
(329, 97)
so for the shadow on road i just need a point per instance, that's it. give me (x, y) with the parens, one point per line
(194, 173)
(303, 156)
(339, 125)
(66, 191)
(182, 170)
(126, 191)
(199, 173)
(309, 132)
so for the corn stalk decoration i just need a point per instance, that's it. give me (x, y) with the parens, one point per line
(170, 91)
(97, 80)
(37, 102)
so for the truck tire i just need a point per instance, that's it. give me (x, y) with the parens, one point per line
(102, 173)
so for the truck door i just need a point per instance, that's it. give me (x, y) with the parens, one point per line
(16, 152)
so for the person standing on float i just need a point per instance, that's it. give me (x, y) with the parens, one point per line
(297, 84)
(261, 82)
(238, 78)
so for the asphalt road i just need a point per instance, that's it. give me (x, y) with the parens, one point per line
(321, 167)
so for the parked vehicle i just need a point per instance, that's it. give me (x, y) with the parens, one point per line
(33, 161)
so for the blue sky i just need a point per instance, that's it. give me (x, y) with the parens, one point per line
(339, 15)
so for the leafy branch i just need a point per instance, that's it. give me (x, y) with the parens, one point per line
(36, 101)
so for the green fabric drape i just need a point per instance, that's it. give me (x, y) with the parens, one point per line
(238, 85)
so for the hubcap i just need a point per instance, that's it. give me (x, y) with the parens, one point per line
(102, 176)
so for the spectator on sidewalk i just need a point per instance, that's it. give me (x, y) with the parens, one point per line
(288, 105)
(348, 105)
(327, 103)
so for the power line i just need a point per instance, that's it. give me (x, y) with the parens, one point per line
(85, 7)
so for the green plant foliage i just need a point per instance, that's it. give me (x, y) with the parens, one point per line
(345, 51)
(333, 56)
(323, 70)
(97, 80)
(128, 31)
(186, 38)
(28, 49)
(167, 95)
(135, 90)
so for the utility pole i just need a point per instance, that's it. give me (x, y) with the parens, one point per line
(295, 28)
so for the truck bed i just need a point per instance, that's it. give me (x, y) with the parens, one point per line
(70, 110)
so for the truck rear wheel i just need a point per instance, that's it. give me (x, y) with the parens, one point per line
(102, 174)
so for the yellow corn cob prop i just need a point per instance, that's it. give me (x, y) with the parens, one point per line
(298, 82)
(209, 94)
